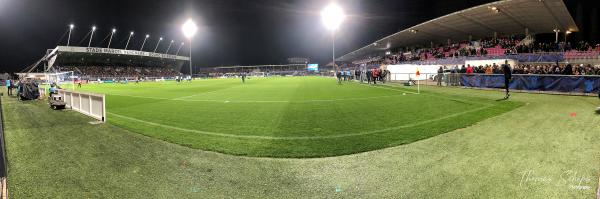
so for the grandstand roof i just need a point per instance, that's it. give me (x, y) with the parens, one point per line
(508, 17)
(74, 56)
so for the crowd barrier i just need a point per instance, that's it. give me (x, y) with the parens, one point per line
(553, 83)
(93, 105)
(569, 84)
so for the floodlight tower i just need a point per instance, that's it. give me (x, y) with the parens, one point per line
(159, 40)
(130, 35)
(189, 29)
(147, 35)
(91, 36)
(111, 36)
(169, 48)
(332, 17)
(71, 26)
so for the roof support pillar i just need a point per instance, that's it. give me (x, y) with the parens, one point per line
(526, 32)
(495, 36)
(470, 37)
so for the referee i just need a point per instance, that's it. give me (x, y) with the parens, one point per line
(507, 77)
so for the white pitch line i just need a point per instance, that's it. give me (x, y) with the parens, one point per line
(303, 137)
(258, 101)
(382, 87)
(204, 93)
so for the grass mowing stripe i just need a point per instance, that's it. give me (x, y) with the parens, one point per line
(258, 101)
(302, 138)
(291, 117)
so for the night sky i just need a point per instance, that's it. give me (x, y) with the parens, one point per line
(232, 32)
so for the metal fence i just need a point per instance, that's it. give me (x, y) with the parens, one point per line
(537, 83)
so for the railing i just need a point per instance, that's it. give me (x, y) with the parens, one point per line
(564, 84)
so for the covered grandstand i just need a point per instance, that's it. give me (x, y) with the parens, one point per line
(91, 63)
(491, 21)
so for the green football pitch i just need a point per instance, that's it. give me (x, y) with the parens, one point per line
(289, 116)
(546, 148)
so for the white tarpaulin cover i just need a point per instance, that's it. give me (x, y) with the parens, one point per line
(406, 71)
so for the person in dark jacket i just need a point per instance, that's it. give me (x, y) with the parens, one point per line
(568, 70)
(507, 76)
(440, 72)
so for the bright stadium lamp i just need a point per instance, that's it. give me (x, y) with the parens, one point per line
(130, 35)
(147, 35)
(111, 36)
(332, 17)
(189, 29)
(71, 26)
(159, 40)
(91, 36)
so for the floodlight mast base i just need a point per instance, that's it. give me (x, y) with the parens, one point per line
(333, 53)
(191, 72)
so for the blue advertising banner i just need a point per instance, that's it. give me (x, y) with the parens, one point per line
(556, 83)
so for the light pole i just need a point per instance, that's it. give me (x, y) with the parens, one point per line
(332, 17)
(159, 40)
(144, 42)
(177, 53)
(130, 35)
(71, 26)
(168, 48)
(111, 36)
(91, 36)
(566, 34)
(189, 29)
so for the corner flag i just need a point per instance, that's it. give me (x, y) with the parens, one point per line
(418, 84)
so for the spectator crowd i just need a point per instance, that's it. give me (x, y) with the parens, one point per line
(540, 69)
(120, 71)
(483, 47)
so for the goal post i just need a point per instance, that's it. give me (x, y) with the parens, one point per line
(62, 79)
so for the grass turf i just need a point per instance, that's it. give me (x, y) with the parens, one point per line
(57, 154)
(289, 117)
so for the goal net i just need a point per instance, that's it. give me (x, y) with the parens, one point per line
(65, 80)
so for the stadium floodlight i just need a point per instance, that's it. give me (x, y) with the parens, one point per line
(71, 26)
(168, 48)
(91, 36)
(111, 36)
(147, 35)
(332, 17)
(159, 40)
(189, 29)
(177, 53)
(130, 35)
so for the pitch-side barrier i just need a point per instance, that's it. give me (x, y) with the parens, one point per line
(534, 83)
(90, 104)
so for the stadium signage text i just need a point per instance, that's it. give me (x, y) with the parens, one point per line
(128, 52)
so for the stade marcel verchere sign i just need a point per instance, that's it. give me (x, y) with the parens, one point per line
(73, 49)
